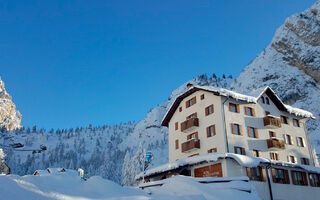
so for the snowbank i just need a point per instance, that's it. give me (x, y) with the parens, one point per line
(68, 186)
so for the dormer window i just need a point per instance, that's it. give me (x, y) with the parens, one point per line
(263, 101)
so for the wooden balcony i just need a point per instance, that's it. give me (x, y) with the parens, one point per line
(272, 122)
(190, 145)
(189, 124)
(275, 144)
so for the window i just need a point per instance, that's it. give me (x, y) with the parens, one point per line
(180, 109)
(305, 161)
(211, 131)
(252, 132)
(300, 142)
(267, 101)
(192, 136)
(314, 180)
(287, 139)
(255, 174)
(299, 178)
(176, 126)
(284, 119)
(236, 129)
(256, 153)
(202, 97)
(239, 150)
(292, 159)
(296, 123)
(274, 156)
(177, 144)
(267, 113)
(209, 110)
(272, 134)
(249, 111)
(280, 176)
(212, 150)
(262, 99)
(193, 115)
(234, 108)
(191, 102)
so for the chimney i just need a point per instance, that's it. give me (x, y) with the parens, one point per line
(189, 86)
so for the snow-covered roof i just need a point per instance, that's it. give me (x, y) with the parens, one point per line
(236, 96)
(245, 161)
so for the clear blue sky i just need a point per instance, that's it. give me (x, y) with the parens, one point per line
(71, 63)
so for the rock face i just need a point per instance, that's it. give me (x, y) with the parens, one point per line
(10, 118)
(291, 66)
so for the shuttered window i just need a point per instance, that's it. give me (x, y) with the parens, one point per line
(287, 139)
(209, 110)
(177, 144)
(191, 102)
(249, 111)
(252, 132)
(239, 150)
(234, 108)
(211, 131)
(202, 97)
(176, 126)
(274, 156)
(236, 129)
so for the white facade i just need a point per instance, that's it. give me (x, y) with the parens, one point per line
(222, 118)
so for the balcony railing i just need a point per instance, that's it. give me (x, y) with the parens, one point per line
(272, 122)
(275, 144)
(190, 145)
(189, 124)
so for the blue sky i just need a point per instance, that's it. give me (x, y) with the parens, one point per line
(72, 63)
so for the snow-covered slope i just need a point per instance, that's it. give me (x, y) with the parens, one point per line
(291, 66)
(10, 118)
(69, 186)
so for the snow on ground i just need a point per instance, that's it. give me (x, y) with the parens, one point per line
(69, 186)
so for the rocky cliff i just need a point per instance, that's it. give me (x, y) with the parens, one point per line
(10, 118)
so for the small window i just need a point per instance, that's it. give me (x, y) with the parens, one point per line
(272, 134)
(305, 161)
(267, 113)
(177, 144)
(267, 101)
(255, 174)
(300, 142)
(176, 126)
(191, 102)
(280, 176)
(234, 108)
(262, 99)
(284, 119)
(256, 153)
(249, 111)
(314, 180)
(274, 156)
(213, 150)
(299, 178)
(209, 110)
(292, 159)
(239, 150)
(211, 131)
(236, 129)
(180, 109)
(252, 132)
(287, 139)
(192, 136)
(202, 97)
(193, 115)
(296, 123)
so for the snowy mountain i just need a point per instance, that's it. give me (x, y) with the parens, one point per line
(10, 118)
(291, 66)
